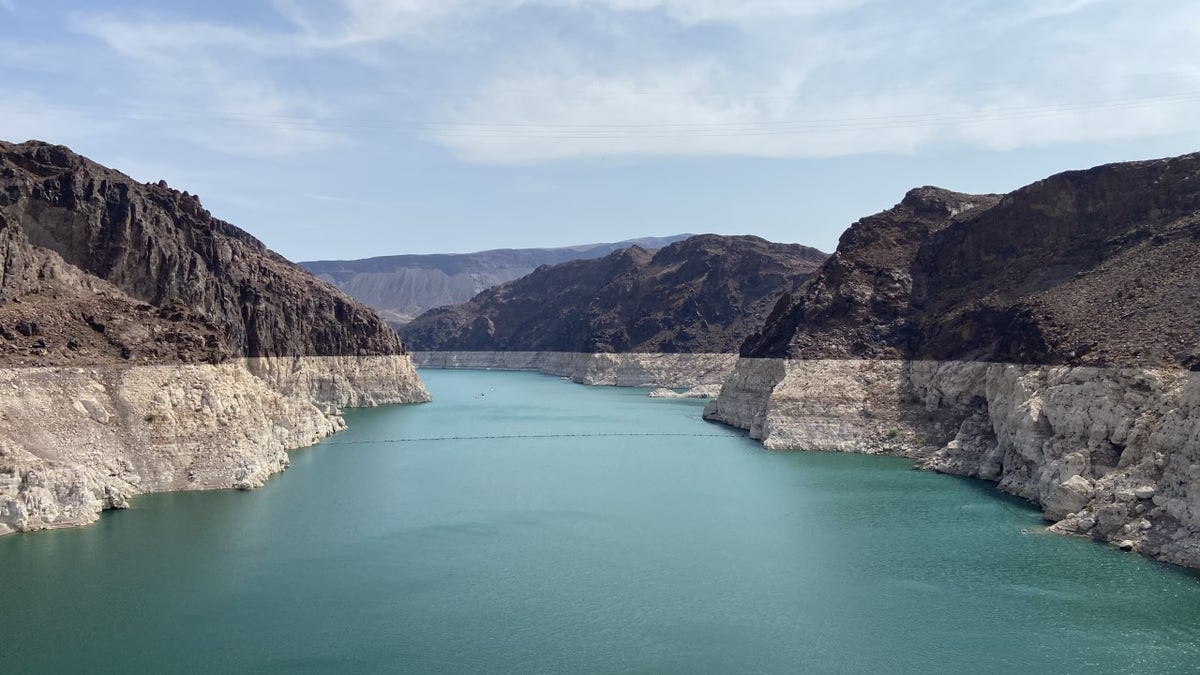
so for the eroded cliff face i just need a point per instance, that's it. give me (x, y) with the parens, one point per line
(1108, 453)
(74, 441)
(147, 346)
(1045, 340)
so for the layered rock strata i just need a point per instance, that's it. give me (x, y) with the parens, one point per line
(1108, 453)
(622, 370)
(74, 441)
(699, 391)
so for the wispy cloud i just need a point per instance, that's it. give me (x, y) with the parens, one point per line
(1044, 9)
(910, 82)
(213, 83)
(28, 115)
(526, 81)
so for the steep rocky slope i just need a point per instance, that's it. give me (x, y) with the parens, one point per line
(161, 248)
(1045, 340)
(1084, 268)
(147, 346)
(700, 295)
(401, 287)
(859, 304)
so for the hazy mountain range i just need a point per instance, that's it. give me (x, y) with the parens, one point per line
(401, 287)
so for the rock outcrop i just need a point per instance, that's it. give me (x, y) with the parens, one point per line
(699, 391)
(147, 346)
(700, 295)
(402, 287)
(180, 265)
(1045, 340)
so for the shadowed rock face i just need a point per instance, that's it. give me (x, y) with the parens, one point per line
(1091, 267)
(858, 305)
(703, 294)
(121, 270)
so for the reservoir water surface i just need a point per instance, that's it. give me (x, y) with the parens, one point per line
(589, 548)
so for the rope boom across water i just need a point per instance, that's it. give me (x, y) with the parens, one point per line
(514, 436)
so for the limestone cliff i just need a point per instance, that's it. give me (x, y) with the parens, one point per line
(148, 346)
(1045, 340)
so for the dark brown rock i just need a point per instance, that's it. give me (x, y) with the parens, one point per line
(161, 278)
(28, 328)
(858, 304)
(401, 287)
(703, 294)
(1094, 267)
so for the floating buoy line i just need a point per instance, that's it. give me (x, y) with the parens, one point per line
(424, 439)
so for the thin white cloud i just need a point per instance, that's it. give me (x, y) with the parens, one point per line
(894, 88)
(495, 81)
(216, 89)
(27, 115)
(1045, 9)
(350, 23)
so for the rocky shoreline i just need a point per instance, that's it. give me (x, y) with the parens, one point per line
(1108, 453)
(622, 370)
(78, 440)
(148, 346)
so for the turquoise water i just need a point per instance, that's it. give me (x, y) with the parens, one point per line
(610, 554)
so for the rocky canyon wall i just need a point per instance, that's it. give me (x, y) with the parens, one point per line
(77, 440)
(622, 370)
(1108, 453)
(147, 346)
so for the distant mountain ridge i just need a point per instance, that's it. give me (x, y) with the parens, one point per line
(401, 287)
(704, 294)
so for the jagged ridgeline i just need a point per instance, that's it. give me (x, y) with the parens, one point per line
(402, 287)
(97, 266)
(1095, 267)
(704, 294)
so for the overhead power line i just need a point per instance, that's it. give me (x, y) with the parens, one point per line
(493, 437)
(608, 131)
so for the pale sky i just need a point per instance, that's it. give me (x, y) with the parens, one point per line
(354, 128)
